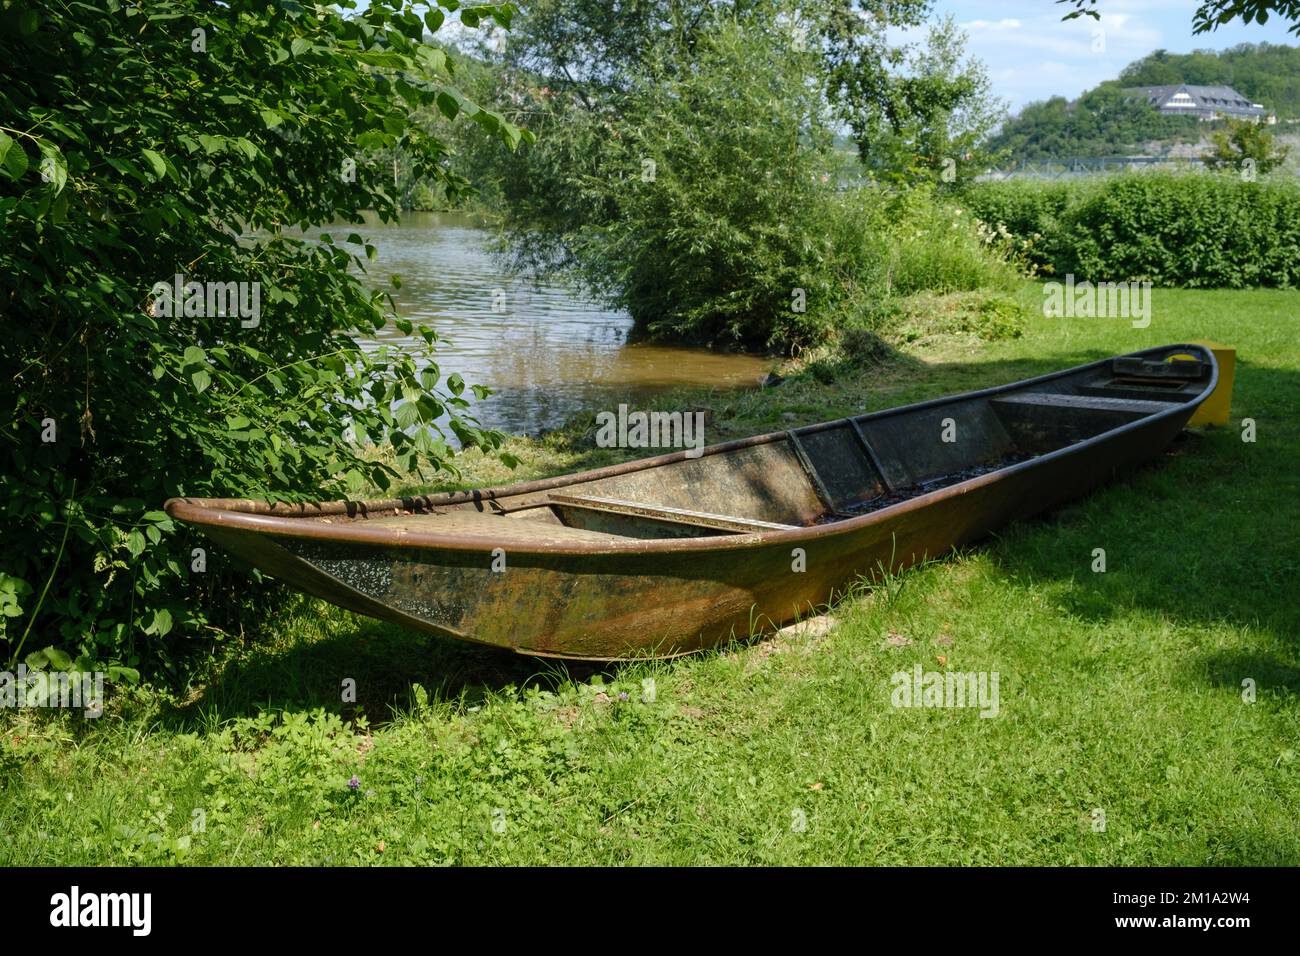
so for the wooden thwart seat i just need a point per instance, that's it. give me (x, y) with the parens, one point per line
(1099, 403)
(508, 531)
(701, 519)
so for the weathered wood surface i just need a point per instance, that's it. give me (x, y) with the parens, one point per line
(673, 554)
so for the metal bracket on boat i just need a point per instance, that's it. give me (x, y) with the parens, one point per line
(811, 471)
(871, 453)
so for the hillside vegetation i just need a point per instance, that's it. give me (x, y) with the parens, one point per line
(1268, 73)
(1107, 122)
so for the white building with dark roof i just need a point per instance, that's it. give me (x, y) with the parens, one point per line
(1203, 102)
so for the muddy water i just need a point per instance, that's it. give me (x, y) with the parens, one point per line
(545, 352)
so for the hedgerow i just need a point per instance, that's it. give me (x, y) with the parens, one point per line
(1195, 230)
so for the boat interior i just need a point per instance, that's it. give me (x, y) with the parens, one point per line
(828, 472)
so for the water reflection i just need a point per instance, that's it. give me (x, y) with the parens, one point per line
(546, 353)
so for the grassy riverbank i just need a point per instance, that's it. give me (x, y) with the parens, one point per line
(1120, 696)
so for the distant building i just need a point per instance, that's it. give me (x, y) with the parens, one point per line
(1203, 102)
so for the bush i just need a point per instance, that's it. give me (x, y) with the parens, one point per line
(185, 138)
(1189, 230)
(1032, 211)
(1194, 230)
(722, 221)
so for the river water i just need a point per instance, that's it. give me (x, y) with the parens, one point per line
(546, 353)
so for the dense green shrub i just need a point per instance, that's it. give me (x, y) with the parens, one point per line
(179, 137)
(1191, 229)
(720, 195)
(1033, 211)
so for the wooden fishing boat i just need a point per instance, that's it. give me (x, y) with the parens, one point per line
(676, 553)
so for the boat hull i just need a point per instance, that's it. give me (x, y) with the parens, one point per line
(657, 598)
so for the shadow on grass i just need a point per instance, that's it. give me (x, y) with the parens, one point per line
(1227, 669)
(383, 660)
(1251, 848)
(1209, 536)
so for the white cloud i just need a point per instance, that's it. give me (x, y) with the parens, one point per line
(986, 25)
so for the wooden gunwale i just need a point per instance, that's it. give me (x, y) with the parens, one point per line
(285, 520)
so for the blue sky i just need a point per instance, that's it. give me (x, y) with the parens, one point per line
(1031, 54)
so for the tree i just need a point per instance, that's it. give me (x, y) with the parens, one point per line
(911, 106)
(590, 76)
(1245, 146)
(179, 144)
(924, 118)
(717, 197)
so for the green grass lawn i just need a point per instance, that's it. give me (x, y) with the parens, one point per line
(1121, 693)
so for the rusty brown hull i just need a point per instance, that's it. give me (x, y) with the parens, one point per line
(673, 554)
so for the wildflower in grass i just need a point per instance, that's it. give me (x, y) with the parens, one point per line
(354, 783)
(622, 695)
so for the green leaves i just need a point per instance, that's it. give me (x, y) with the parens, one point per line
(13, 158)
(155, 162)
(449, 102)
(501, 13)
(406, 414)
(197, 170)
(58, 659)
(123, 675)
(1194, 230)
(161, 623)
(27, 22)
(195, 368)
(13, 592)
(135, 543)
(53, 167)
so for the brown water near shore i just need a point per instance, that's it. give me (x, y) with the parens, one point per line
(546, 353)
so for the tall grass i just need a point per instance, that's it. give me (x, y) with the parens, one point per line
(938, 248)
